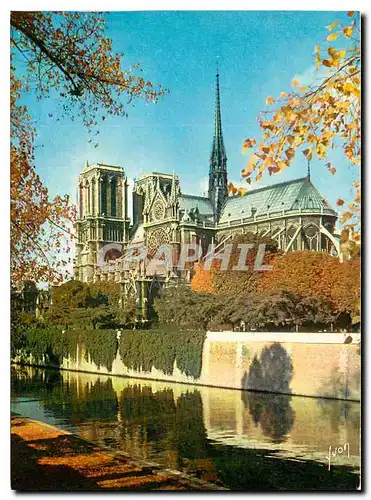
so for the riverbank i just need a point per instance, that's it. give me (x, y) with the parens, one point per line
(320, 365)
(46, 458)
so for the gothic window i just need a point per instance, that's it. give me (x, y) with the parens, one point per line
(311, 237)
(290, 234)
(88, 191)
(104, 196)
(158, 210)
(113, 197)
(93, 197)
(81, 201)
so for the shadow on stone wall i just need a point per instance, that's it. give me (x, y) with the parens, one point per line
(273, 412)
(272, 372)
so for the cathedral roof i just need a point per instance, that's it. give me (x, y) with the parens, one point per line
(295, 195)
(189, 202)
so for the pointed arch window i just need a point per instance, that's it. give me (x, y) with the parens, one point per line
(88, 192)
(93, 197)
(81, 201)
(104, 196)
(113, 196)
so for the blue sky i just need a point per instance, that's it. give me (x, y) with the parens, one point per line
(259, 54)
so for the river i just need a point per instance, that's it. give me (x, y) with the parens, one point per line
(237, 439)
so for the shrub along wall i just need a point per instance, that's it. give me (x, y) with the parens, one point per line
(142, 349)
(50, 345)
(138, 349)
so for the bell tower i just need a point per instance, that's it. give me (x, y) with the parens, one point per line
(218, 182)
(102, 215)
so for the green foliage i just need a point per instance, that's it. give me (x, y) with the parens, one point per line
(179, 305)
(87, 306)
(189, 353)
(50, 346)
(142, 349)
(100, 347)
(267, 310)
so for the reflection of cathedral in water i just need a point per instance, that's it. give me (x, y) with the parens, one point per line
(293, 213)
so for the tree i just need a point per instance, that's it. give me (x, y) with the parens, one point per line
(271, 309)
(316, 118)
(202, 280)
(317, 276)
(183, 307)
(40, 227)
(64, 55)
(83, 305)
(231, 282)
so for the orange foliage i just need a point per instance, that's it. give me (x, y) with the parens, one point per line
(317, 275)
(232, 282)
(202, 281)
(316, 118)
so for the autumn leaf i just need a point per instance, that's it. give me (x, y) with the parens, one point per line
(332, 37)
(332, 26)
(290, 153)
(331, 168)
(340, 202)
(308, 153)
(273, 169)
(327, 63)
(269, 100)
(348, 31)
(351, 13)
(345, 216)
(249, 143)
(232, 189)
(295, 83)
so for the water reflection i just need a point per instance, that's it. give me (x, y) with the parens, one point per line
(220, 435)
(273, 412)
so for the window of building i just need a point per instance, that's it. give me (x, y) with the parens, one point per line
(113, 197)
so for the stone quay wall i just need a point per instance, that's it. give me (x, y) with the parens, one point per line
(306, 364)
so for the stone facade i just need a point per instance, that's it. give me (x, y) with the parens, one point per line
(293, 213)
(102, 216)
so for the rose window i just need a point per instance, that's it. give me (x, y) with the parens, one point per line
(158, 210)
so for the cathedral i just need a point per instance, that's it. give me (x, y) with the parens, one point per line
(293, 213)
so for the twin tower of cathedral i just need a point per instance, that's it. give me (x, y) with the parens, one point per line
(293, 213)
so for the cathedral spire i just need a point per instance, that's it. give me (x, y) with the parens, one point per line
(218, 153)
(218, 160)
(308, 173)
